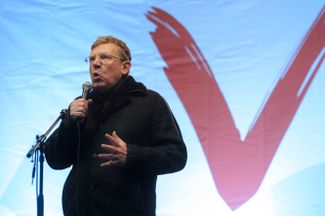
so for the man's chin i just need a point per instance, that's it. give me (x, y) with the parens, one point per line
(101, 87)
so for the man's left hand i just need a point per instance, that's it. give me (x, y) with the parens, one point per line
(117, 151)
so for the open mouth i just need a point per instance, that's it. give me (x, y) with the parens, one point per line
(96, 76)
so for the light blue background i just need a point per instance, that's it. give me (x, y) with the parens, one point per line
(247, 44)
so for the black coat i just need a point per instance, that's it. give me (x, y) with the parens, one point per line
(144, 121)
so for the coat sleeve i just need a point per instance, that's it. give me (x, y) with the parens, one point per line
(61, 146)
(166, 152)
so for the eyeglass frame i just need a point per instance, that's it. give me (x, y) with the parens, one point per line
(102, 57)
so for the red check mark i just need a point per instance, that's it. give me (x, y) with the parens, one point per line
(238, 167)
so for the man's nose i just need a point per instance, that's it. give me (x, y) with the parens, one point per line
(96, 63)
(96, 66)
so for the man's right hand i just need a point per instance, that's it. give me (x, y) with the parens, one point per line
(79, 107)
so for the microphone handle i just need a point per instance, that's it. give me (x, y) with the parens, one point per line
(86, 88)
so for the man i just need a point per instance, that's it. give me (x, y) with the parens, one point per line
(117, 140)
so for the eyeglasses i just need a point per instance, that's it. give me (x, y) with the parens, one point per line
(103, 57)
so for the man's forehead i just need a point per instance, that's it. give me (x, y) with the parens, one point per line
(106, 47)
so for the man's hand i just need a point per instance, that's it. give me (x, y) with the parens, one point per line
(79, 107)
(117, 151)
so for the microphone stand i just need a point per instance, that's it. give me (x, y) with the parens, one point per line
(39, 147)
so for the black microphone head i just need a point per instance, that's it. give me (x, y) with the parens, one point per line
(86, 87)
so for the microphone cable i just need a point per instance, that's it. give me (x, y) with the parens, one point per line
(77, 165)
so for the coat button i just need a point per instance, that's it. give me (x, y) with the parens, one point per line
(92, 188)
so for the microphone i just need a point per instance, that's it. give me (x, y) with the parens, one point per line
(86, 88)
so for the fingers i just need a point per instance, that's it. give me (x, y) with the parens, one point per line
(117, 142)
(79, 107)
(109, 163)
(114, 138)
(110, 159)
(110, 148)
(117, 151)
(115, 135)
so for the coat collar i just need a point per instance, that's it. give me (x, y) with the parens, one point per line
(125, 86)
(107, 103)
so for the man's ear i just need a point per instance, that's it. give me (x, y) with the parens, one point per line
(126, 66)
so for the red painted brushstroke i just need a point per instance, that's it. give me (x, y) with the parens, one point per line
(238, 167)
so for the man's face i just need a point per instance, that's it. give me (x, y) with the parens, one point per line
(105, 66)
